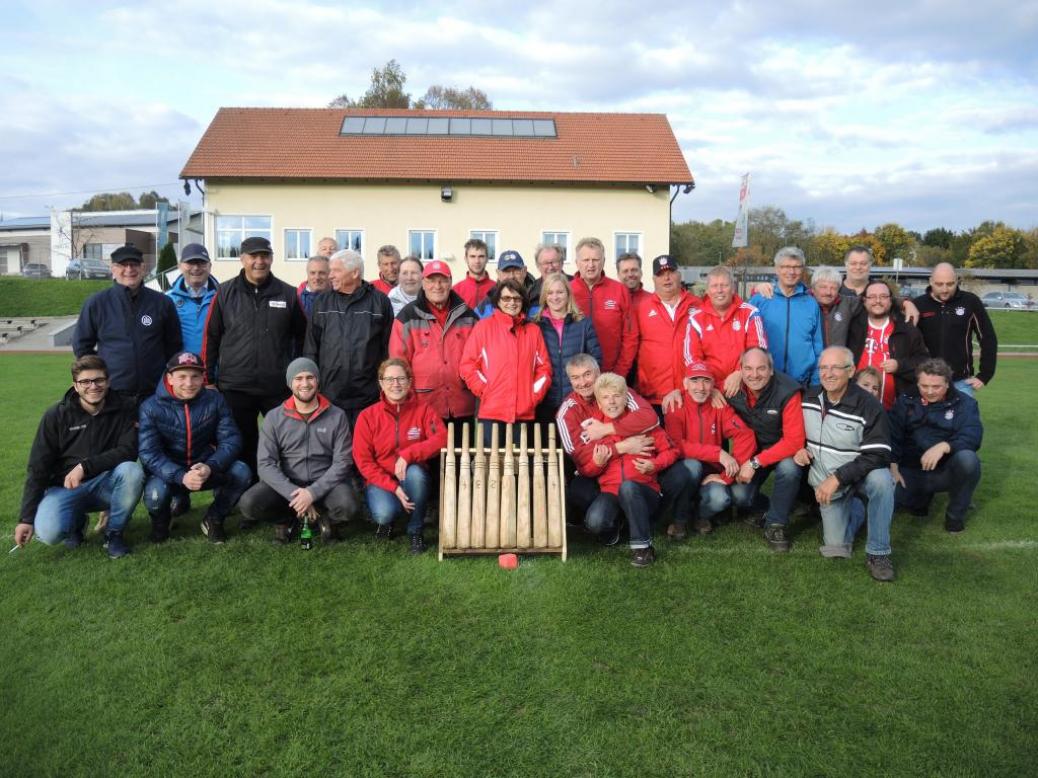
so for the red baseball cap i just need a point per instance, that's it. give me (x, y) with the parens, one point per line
(698, 370)
(437, 268)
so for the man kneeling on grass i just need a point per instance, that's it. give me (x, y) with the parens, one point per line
(188, 443)
(83, 459)
(305, 453)
(628, 481)
(848, 449)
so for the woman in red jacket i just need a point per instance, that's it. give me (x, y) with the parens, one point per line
(505, 363)
(393, 440)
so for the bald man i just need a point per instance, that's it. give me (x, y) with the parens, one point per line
(950, 320)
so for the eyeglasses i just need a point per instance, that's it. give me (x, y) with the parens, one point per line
(510, 300)
(872, 297)
(833, 368)
(790, 267)
(85, 382)
(401, 379)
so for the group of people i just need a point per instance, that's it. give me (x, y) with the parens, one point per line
(667, 404)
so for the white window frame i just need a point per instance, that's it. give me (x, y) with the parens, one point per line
(567, 245)
(481, 235)
(363, 238)
(244, 233)
(435, 237)
(641, 243)
(309, 241)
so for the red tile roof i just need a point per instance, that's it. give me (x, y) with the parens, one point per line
(304, 143)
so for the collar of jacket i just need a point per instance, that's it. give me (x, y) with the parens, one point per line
(512, 322)
(248, 284)
(323, 403)
(397, 408)
(709, 310)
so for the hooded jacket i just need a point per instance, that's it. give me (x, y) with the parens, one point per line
(720, 340)
(434, 353)
(388, 430)
(68, 436)
(916, 426)
(505, 365)
(949, 329)
(175, 434)
(793, 326)
(192, 311)
(314, 452)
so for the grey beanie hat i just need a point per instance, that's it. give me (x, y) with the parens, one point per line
(301, 365)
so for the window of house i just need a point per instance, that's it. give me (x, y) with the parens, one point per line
(350, 239)
(232, 230)
(93, 251)
(422, 243)
(297, 244)
(490, 238)
(628, 243)
(557, 239)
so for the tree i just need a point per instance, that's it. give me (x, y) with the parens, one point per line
(1002, 247)
(703, 244)
(439, 98)
(110, 201)
(150, 200)
(938, 237)
(866, 238)
(167, 261)
(896, 240)
(386, 90)
(828, 248)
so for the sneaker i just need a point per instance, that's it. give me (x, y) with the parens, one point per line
(702, 526)
(775, 535)
(213, 529)
(881, 568)
(180, 504)
(677, 532)
(954, 526)
(417, 543)
(384, 532)
(753, 520)
(75, 535)
(643, 557)
(115, 545)
(159, 531)
(326, 528)
(611, 536)
(283, 533)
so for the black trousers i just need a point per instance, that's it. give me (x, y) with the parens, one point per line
(246, 409)
(261, 503)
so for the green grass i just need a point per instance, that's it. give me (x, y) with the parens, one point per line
(1015, 327)
(45, 296)
(722, 659)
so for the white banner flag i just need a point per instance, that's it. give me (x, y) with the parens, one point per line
(742, 230)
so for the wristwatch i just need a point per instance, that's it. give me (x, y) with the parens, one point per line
(755, 463)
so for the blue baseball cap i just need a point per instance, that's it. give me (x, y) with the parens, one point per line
(510, 259)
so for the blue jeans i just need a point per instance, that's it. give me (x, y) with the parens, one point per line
(783, 492)
(227, 488)
(638, 502)
(958, 475)
(677, 489)
(965, 388)
(385, 506)
(878, 488)
(712, 497)
(117, 491)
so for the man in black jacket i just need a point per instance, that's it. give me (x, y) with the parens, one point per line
(132, 328)
(83, 459)
(256, 327)
(848, 449)
(950, 319)
(348, 336)
(892, 345)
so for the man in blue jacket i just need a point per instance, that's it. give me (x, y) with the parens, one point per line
(792, 320)
(934, 442)
(132, 328)
(189, 442)
(192, 294)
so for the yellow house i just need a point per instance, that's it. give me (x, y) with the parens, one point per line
(427, 181)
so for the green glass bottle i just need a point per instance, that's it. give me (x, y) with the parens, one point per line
(306, 536)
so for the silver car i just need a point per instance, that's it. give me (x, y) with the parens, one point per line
(1013, 300)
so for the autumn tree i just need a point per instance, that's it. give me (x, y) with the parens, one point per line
(110, 201)
(828, 248)
(998, 246)
(896, 240)
(702, 243)
(439, 98)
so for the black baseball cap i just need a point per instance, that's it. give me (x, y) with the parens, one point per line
(255, 245)
(127, 253)
(663, 262)
(184, 360)
(194, 252)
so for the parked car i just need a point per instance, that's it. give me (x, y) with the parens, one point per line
(1013, 300)
(87, 268)
(36, 270)
(908, 291)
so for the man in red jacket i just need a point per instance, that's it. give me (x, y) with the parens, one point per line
(721, 330)
(699, 430)
(608, 303)
(476, 284)
(388, 268)
(662, 321)
(629, 273)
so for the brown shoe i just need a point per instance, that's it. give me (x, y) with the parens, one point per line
(677, 531)
(881, 568)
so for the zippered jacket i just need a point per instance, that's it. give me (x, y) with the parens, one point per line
(505, 365)
(314, 453)
(660, 338)
(386, 431)
(578, 337)
(609, 305)
(699, 430)
(253, 332)
(775, 416)
(348, 338)
(639, 419)
(848, 439)
(134, 336)
(620, 467)
(434, 353)
(192, 311)
(916, 426)
(906, 345)
(175, 434)
(793, 326)
(721, 340)
(949, 329)
(473, 292)
(68, 436)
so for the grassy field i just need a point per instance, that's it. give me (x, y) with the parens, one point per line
(357, 659)
(1016, 328)
(45, 296)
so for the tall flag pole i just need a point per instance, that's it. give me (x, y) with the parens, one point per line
(742, 230)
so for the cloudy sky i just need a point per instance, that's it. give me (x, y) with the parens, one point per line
(852, 114)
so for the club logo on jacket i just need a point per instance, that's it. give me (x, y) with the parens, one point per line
(652, 313)
(838, 316)
(960, 311)
(949, 414)
(736, 326)
(146, 320)
(610, 305)
(414, 433)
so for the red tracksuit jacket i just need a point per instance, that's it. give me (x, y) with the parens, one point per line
(659, 339)
(386, 431)
(620, 467)
(720, 341)
(639, 419)
(699, 429)
(612, 312)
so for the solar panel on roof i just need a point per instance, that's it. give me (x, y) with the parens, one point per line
(455, 125)
(439, 126)
(417, 126)
(461, 126)
(374, 125)
(544, 128)
(353, 125)
(481, 127)
(396, 125)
